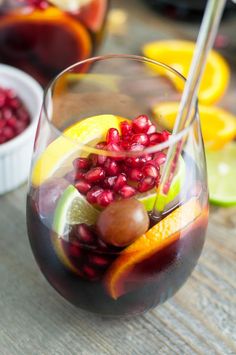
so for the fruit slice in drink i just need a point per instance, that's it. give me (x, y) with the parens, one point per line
(177, 224)
(62, 148)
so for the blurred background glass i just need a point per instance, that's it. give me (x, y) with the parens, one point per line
(43, 37)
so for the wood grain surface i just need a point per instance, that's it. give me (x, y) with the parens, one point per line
(200, 319)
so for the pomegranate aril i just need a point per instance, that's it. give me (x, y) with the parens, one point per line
(133, 162)
(98, 260)
(147, 183)
(150, 170)
(96, 159)
(90, 272)
(74, 251)
(165, 135)
(141, 124)
(14, 103)
(8, 132)
(6, 113)
(83, 234)
(2, 123)
(109, 182)
(101, 159)
(20, 127)
(95, 174)
(79, 175)
(12, 122)
(111, 167)
(114, 147)
(151, 129)
(105, 198)
(135, 174)
(136, 147)
(155, 138)
(82, 186)
(120, 182)
(93, 194)
(126, 144)
(125, 128)
(2, 99)
(159, 159)
(112, 136)
(146, 158)
(140, 138)
(127, 191)
(81, 163)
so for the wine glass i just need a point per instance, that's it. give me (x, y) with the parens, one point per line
(102, 140)
(42, 37)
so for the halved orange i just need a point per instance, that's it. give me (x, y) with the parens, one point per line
(218, 125)
(178, 54)
(167, 231)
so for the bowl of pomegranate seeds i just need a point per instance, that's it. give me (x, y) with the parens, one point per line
(20, 103)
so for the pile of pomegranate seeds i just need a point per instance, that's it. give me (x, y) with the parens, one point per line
(104, 179)
(14, 117)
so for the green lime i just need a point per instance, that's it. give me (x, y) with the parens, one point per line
(72, 208)
(149, 199)
(222, 175)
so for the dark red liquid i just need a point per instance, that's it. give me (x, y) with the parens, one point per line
(159, 277)
(43, 43)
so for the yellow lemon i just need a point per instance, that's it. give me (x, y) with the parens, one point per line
(70, 142)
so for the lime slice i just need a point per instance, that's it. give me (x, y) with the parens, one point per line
(149, 199)
(222, 175)
(72, 208)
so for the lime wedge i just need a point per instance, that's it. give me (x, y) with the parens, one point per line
(149, 199)
(72, 208)
(222, 175)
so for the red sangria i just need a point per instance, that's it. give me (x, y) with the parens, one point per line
(42, 37)
(92, 204)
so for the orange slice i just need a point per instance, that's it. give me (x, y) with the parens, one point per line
(164, 233)
(178, 55)
(218, 125)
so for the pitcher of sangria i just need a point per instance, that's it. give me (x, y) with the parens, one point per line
(42, 37)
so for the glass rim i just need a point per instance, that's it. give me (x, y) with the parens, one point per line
(174, 138)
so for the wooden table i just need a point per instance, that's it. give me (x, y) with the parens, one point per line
(200, 319)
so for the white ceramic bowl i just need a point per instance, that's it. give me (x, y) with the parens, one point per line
(15, 155)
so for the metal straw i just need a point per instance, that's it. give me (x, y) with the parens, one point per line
(205, 41)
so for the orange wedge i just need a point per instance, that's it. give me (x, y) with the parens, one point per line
(218, 125)
(178, 54)
(166, 232)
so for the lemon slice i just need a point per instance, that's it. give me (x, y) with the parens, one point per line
(178, 54)
(63, 147)
(222, 175)
(218, 125)
(72, 208)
